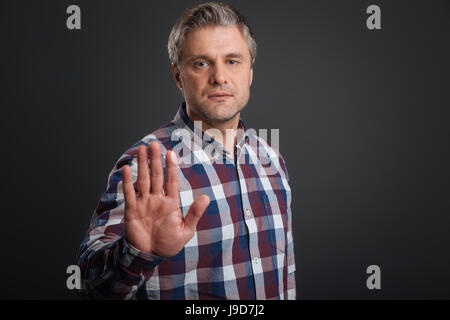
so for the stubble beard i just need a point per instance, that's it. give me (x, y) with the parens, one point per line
(210, 113)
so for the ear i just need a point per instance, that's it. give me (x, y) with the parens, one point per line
(176, 75)
(251, 72)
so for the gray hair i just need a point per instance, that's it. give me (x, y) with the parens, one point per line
(203, 15)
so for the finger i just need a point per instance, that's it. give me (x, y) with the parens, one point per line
(143, 177)
(172, 178)
(128, 189)
(195, 212)
(156, 168)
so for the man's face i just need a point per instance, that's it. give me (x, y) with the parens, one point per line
(215, 73)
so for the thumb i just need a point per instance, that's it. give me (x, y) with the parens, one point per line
(195, 212)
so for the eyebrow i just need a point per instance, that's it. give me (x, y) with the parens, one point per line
(235, 55)
(205, 57)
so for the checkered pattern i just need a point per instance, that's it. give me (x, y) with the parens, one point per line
(243, 247)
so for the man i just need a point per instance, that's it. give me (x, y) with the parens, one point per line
(207, 215)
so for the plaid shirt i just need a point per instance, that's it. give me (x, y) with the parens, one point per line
(243, 247)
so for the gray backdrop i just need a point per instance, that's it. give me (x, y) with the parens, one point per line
(363, 118)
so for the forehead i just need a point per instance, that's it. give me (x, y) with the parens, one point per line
(214, 40)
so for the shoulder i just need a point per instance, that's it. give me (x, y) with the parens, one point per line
(162, 135)
(267, 151)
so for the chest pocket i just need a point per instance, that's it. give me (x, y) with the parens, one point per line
(275, 222)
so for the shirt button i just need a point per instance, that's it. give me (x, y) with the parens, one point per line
(255, 260)
(248, 213)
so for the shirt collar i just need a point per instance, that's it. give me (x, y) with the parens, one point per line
(182, 120)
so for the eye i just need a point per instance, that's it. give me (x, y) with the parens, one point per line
(201, 64)
(232, 62)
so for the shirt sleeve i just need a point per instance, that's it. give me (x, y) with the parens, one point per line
(111, 268)
(291, 284)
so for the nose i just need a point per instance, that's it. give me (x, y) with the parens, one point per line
(218, 75)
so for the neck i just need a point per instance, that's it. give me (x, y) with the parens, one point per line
(224, 132)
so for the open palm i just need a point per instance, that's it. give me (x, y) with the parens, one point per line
(154, 222)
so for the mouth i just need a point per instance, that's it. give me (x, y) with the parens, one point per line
(219, 96)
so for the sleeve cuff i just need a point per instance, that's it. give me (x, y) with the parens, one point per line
(137, 261)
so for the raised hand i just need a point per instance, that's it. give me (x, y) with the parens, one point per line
(154, 222)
